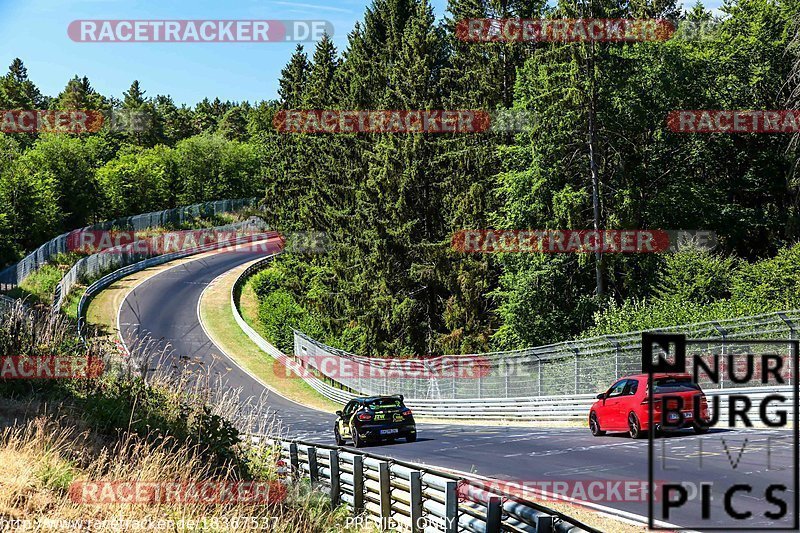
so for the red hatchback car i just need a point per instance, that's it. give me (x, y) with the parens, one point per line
(624, 407)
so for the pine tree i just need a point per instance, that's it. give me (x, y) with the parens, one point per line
(291, 85)
(133, 97)
(233, 125)
(79, 94)
(17, 91)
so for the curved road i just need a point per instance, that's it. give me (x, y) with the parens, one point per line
(164, 309)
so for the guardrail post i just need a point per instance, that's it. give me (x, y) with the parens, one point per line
(576, 369)
(540, 377)
(415, 482)
(451, 507)
(294, 459)
(544, 524)
(790, 325)
(313, 466)
(507, 371)
(386, 494)
(615, 343)
(335, 487)
(358, 485)
(494, 514)
(723, 333)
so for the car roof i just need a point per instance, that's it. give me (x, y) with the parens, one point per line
(660, 375)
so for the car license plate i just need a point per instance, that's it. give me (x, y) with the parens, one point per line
(389, 431)
(687, 414)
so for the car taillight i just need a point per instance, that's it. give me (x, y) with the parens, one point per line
(407, 412)
(656, 403)
(365, 416)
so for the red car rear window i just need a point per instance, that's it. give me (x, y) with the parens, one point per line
(673, 385)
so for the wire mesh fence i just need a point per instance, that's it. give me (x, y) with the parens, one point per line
(584, 366)
(16, 274)
(95, 265)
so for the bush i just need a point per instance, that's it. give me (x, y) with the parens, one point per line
(697, 286)
(279, 313)
(267, 281)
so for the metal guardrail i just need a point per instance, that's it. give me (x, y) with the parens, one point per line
(6, 302)
(17, 273)
(577, 367)
(556, 408)
(108, 279)
(329, 391)
(400, 495)
(120, 256)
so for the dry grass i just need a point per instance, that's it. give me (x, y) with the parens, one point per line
(135, 427)
(40, 460)
(597, 520)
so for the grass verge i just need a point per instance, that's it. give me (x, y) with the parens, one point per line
(217, 316)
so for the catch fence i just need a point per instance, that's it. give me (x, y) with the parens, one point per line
(578, 367)
(17, 273)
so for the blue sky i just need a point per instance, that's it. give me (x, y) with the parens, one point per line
(36, 31)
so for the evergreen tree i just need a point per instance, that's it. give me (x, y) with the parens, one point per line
(17, 91)
(291, 85)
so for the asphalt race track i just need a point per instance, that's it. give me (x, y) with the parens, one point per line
(164, 308)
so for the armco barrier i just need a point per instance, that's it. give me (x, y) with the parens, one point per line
(16, 274)
(330, 392)
(406, 496)
(566, 408)
(578, 367)
(108, 279)
(6, 302)
(127, 254)
(556, 408)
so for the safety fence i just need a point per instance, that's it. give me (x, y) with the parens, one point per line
(404, 496)
(16, 274)
(120, 256)
(568, 368)
(556, 408)
(116, 275)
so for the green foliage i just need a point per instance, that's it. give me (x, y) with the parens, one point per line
(56, 474)
(139, 182)
(279, 313)
(699, 287)
(267, 281)
(696, 276)
(212, 167)
(389, 282)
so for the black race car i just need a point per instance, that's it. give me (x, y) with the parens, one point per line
(374, 418)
